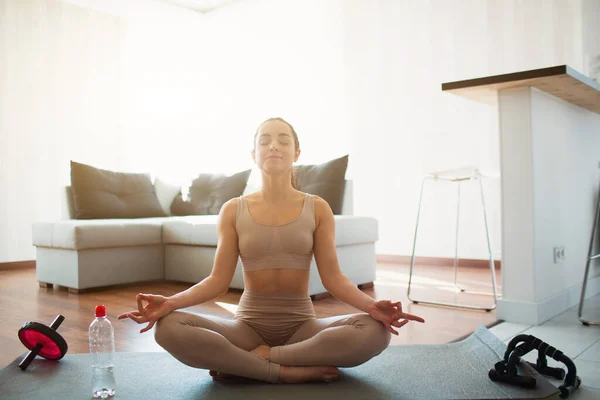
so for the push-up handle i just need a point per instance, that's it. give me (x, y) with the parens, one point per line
(506, 370)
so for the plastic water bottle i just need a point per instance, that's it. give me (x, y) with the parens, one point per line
(102, 350)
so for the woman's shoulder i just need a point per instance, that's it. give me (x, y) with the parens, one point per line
(230, 208)
(321, 206)
(309, 195)
(319, 201)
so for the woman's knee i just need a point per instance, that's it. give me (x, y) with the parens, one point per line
(370, 338)
(166, 329)
(376, 336)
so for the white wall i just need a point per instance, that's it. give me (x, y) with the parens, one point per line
(397, 54)
(252, 60)
(91, 81)
(591, 38)
(165, 93)
(167, 71)
(60, 99)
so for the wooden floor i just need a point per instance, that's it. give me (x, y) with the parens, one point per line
(22, 300)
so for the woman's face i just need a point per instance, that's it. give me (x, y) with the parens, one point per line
(274, 147)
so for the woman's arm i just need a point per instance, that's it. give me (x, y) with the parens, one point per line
(226, 258)
(340, 286)
(325, 254)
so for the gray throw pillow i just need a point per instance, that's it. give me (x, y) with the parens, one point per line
(326, 180)
(99, 193)
(208, 192)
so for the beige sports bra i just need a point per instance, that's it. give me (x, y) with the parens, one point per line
(286, 246)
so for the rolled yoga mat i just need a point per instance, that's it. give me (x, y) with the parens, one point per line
(449, 371)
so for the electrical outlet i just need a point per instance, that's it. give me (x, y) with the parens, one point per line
(559, 254)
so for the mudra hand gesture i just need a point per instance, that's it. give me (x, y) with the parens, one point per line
(156, 308)
(390, 314)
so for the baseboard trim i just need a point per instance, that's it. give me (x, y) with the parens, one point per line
(535, 313)
(6, 266)
(436, 261)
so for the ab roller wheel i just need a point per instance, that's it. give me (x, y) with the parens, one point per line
(42, 340)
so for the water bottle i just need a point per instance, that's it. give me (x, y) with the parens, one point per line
(102, 350)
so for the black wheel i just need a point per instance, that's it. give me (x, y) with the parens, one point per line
(54, 347)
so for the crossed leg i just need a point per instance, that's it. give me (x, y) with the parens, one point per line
(208, 342)
(227, 346)
(341, 341)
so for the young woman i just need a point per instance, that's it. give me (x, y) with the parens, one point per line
(274, 335)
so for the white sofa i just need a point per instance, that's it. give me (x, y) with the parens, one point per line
(84, 254)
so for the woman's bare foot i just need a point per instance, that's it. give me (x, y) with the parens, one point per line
(262, 351)
(220, 376)
(229, 378)
(288, 374)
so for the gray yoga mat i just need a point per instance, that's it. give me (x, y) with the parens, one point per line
(450, 371)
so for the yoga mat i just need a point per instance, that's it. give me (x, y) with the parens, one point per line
(450, 371)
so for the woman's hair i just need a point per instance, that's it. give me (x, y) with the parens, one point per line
(296, 142)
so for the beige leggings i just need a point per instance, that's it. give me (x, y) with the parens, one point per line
(284, 321)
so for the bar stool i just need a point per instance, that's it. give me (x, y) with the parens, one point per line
(590, 257)
(457, 176)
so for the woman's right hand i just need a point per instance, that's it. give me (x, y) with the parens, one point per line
(157, 307)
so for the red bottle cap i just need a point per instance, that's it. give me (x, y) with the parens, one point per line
(100, 311)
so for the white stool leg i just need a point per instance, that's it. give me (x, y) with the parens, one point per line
(412, 260)
(456, 236)
(590, 257)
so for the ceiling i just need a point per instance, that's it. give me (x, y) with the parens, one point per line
(202, 6)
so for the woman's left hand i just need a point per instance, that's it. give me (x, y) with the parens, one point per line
(390, 314)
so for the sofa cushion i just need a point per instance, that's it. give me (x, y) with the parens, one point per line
(351, 229)
(202, 230)
(99, 193)
(325, 180)
(199, 230)
(88, 234)
(208, 193)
